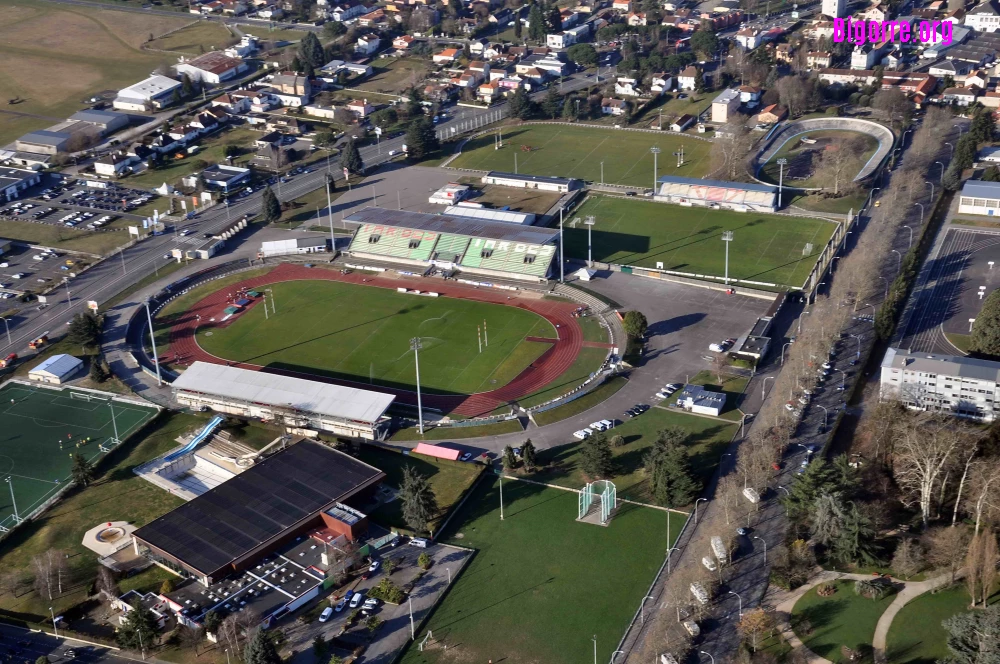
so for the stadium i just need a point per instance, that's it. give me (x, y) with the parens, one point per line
(457, 244)
(717, 194)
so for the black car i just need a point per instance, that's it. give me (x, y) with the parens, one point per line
(631, 412)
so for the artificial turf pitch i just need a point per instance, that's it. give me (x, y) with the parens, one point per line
(35, 420)
(765, 247)
(542, 584)
(579, 152)
(362, 333)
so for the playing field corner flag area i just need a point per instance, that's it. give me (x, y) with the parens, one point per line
(43, 428)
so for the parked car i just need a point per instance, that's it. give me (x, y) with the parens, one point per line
(374, 566)
(327, 612)
(357, 599)
(340, 605)
(419, 542)
(466, 457)
(582, 434)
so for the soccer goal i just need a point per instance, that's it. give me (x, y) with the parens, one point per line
(82, 396)
(423, 643)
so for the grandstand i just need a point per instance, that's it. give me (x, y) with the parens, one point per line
(717, 194)
(475, 246)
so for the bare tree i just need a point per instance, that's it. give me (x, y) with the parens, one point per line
(894, 103)
(11, 581)
(879, 424)
(924, 449)
(839, 164)
(728, 493)
(106, 583)
(908, 558)
(946, 548)
(793, 94)
(988, 560)
(731, 147)
(50, 572)
(984, 484)
(970, 453)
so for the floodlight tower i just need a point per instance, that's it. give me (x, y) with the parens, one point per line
(781, 177)
(415, 346)
(727, 237)
(656, 153)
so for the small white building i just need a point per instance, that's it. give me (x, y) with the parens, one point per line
(542, 182)
(984, 17)
(152, 93)
(725, 106)
(57, 369)
(699, 400)
(219, 177)
(449, 194)
(301, 245)
(979, 197)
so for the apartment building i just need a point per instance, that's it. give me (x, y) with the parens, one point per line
(948, 384)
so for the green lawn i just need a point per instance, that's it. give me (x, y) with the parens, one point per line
(541, 585)
(707, 441)
(802, 157)
(457, 433)
(586, 363)
(578, 152)
(842, 619)
(58, 236)
(43, 429)
(592, 329)
(816, 203)
(960, 341)
(765, 247)
(212, 151)
(311, 333)
(582, 404)
(448, 479)
(197, 38)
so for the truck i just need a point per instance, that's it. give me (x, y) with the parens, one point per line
(699, 593)
(719, 549)
(751, 494)
(39, 342)
(8, 361)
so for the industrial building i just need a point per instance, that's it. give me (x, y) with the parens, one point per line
(490, 214)
(980, 197)
(456, 244)
(541, 182)
(57, 369)
(106, 122)
(301, 245)
(43, 141)
(306, 404)
(153, 93)
(232, 527)
(15, 180)
(213, 67)
(717, 194)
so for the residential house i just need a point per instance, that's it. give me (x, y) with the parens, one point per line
(660, 82)
(750, 95)
(686, 79)
(624, 6)
(783, 53)
(725, 106)
(232, 103)
(446, 57)
(184, 134)
(875, 12)
(894, 59)
(367, 44)
(611, 106)
(955, 17)
(820, 30)
(271, 13)
(439, 92)
(559, 40)
(568, 18)
(979, 79)
(211, 68)
(270, 139)
(960, 96)
(402, 43)
(682, 123)
(287, 125)
(749, 38)
(114, 164)
(346, 10)
(291, 89)
(246, 47)
(865, 56)
(954, 68)
(374, 19)
(219, 177)
(360, 108)
(489, 92)
(772, 114)
(818, 59)
(626, 87)
(636, 18)
(984, 17)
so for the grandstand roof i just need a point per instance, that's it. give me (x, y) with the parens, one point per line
(528, 178)
(673, 179)
(311, 396)
(490, 214)
(443, 223)
(225, 524)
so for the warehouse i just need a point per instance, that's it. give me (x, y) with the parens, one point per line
(43, 142)
(717, 194)
(57, 369)
(307, 404)
(152, 93)
(15, 180)
(232, 526)
(979, 197)
(106, 122)
(212, 68)
(541, 182)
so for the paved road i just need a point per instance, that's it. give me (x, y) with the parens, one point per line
(32, 645)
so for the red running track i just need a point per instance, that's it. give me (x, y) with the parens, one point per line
(555, 361)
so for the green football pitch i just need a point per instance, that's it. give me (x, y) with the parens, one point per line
(541, 584)
(43, 428)
(579, 152)
(362, 333)
(765, 247)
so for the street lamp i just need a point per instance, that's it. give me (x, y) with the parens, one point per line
(727, 237)
(415, 346)
(870, 194)
(886, 296)
(669, 553)
(7, 325)
(826, 414)
(696, 509)
(765, 547)
(941, 178)
(615, 654)
(733, 592)
(910, 228)
(642, 608)
(763, 385)
(589, 221)
(781, 177)
(932, 188)
(54, 628)
(899, 265)
(709, 654)
(656, 153)
(787, 492)
(952, 151)
(152, 341)
(595, 648)
(858, 338)
(783, 352)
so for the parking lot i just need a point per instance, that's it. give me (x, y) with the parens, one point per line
(34, 270)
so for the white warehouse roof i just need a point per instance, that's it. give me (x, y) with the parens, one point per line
(490, 214)
(257, 387)
(150, 88)
(58, 366)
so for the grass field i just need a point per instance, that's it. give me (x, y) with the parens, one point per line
(578, 152)
(707, 440)
(212, 151)
(799, 172)
(395, 75)
(43, 429)
(843, 619)
(582, 404)
(766, 247)
(542, 585)
(55, 57)
(311, 333)
(58, 236)
(197, 38)
(458, 433)
(586, 363)
(448, 479)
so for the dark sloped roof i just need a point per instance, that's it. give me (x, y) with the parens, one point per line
(226, 523)
(444, 223)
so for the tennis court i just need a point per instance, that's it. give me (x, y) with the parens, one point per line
(42, 428)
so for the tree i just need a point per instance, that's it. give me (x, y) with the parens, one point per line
(424, 561)
(336, 659)
(985, 340)
(729, 494)
(550, 105)
(42, 659)
(793, 94)
(311, 51)
(187, 86)
(106, 584)
(635, 324)
(261, 650)
(583, 55)
(421, 138)
(509, 460)
(981, 567)
(419, 503)
(333, 29)
(270, 208)
(211, 622)
(167, 587)
(320, 647)
(82, 471)
(908, 558)
(924, 449)
(973, 637)
(699, 80)
(518, 26)
(895, 104)
(98, 373)
(138, 630)
(536, 23)
(528, 454)
(84, 329)
(731, 147)
(839, 164)
(350, 158)
(984, 486)
(669, 469)
(946, 547)
(801, 499)
(704, 43)
(596, 462)
(50, 571)
(519, 104)
(754, 624)
(553, 19)
(965, 153)
(617, 440)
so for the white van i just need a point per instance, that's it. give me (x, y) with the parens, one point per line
(419, 542)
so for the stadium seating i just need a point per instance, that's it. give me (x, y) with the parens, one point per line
(503, 256)
(396, 242)
(450, 248)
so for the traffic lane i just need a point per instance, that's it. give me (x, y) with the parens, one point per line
(33, 645)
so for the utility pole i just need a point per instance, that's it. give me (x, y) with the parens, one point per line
(590, 227)
(329, 214)
(415, 346)
(727, 237)
(152, 341)
(781, 177)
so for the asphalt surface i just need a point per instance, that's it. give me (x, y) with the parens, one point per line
(31, 645)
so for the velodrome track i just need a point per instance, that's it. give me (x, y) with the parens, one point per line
(547, 368)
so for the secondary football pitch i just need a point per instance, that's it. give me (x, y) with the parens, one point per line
(579, 152)
(765, 247)
(803, 157)
(43, 429)
(542, 584)
(362, 333)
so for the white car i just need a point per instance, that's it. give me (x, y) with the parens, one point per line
(19, 275)
(370, 603)
(356, 600)
(327, 612)
(582, 434)
(598, 426)
(185, 232)
(661, 395)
